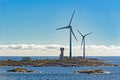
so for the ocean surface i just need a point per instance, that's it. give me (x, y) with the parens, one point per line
(60, 73)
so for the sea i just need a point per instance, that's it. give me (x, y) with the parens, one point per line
(60, 73)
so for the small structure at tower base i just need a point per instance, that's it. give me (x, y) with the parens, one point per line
(62, 53)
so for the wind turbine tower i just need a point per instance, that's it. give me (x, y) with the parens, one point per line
(71, 32)
(83, 41)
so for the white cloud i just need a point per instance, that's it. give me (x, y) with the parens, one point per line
(53, 50)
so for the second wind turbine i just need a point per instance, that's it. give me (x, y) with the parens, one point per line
(83, 41)
(71, 32)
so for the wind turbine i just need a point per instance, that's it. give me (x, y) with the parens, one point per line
(71, 32)
(83, 41)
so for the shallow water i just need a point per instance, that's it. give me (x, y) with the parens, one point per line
(59, 73)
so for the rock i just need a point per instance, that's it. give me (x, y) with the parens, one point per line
(116, 64)
(20, 70)
(99, 71)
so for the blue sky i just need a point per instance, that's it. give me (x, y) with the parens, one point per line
(35, 21)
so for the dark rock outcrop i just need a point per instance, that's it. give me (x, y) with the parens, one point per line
(98, 71)
(20, 70)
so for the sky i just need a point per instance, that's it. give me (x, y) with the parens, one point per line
(28, 27)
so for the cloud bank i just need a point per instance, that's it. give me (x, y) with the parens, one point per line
(53, 50)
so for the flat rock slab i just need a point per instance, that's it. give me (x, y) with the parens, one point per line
(20, 70)
(98, 71)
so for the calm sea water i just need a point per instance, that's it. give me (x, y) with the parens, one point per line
(60, 73)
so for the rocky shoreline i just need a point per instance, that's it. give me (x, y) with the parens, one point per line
(64, 62)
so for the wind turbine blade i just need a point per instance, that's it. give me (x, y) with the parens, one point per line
(80, 33)
(63, 28)
(73, 34)
(71, 17)
(82, 41)
(88, 33)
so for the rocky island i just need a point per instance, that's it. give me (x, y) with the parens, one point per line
(23, 70)
(98, 71)
(65, 62)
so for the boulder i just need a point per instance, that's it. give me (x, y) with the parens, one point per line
(98, 71)
(20, 70)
